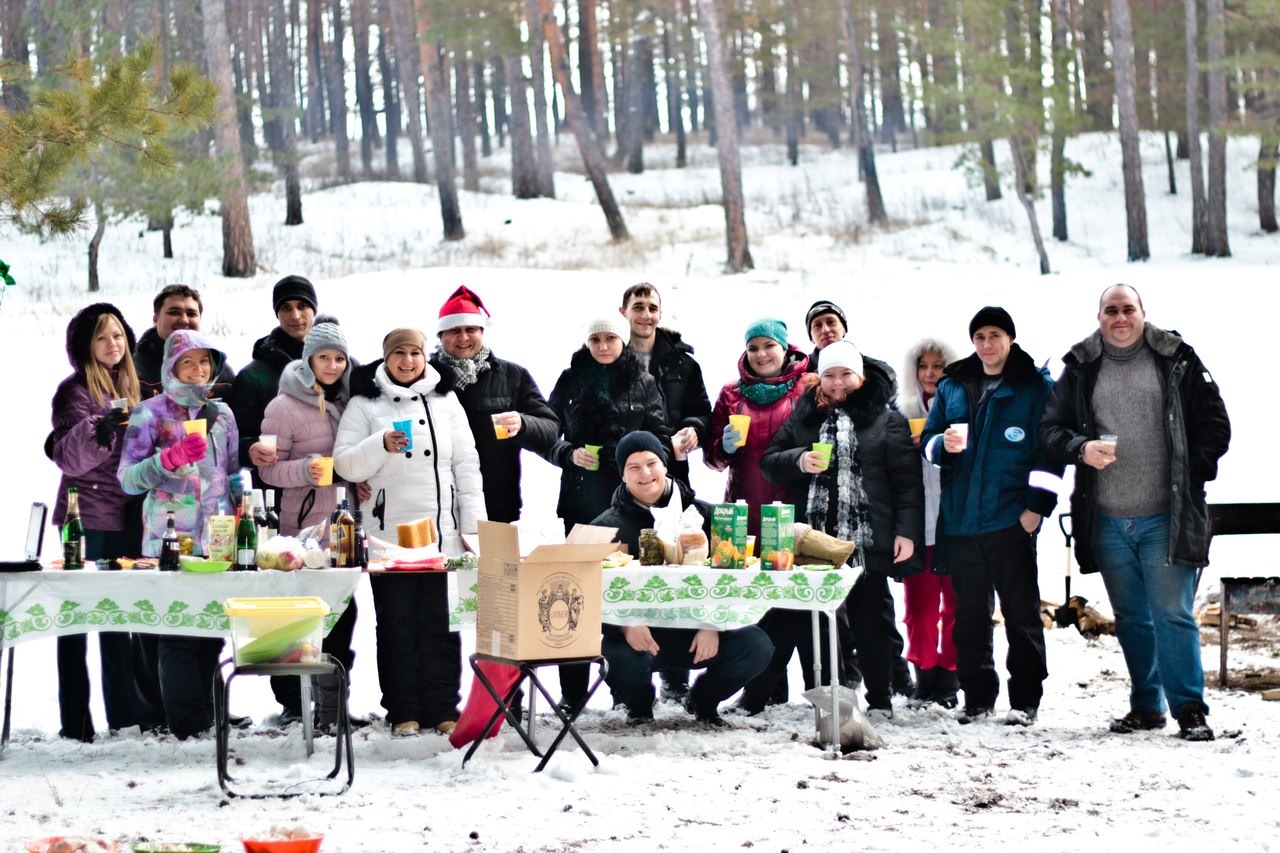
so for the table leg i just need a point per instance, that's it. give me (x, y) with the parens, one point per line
(8, 698)
(308, 719)
(833, 648)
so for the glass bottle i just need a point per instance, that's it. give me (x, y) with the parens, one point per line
(650, 548)
(73, 532)
(273, 520)
(260, 514)
(341, 529)
(359, 542)
(170, 548)
(246, 538)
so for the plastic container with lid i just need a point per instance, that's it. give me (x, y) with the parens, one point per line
(276, 630)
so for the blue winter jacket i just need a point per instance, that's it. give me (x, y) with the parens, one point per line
(1004, 470)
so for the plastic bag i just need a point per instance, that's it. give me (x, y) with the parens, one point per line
(680, 529)
(856, 732)
(283, 553)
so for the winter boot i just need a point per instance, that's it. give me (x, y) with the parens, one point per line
(328, 695)
(926, 681)
(902, 683)
(945, 687)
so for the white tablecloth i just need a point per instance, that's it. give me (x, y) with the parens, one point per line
(34, 605)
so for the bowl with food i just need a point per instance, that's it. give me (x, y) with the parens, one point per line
(72, 844)
(283, 839)
(175, 847)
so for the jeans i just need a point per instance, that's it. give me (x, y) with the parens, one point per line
(1152, 602)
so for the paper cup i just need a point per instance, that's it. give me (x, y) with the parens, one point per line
(594, 448)
(326, 478)
(823, 448)
(199, 426)
(917, 425)
(963, 429)
(741, 423)
(406, 427)
(499, 429)
(267, 441)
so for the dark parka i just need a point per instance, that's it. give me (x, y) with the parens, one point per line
(504, 387)
(1197, 431)
(633, 403)
(148, 360)
(1005, 470)
(889, 462)
(684, 393)
(257, 385)
(630, 516)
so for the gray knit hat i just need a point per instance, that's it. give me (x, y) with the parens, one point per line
(325, 334)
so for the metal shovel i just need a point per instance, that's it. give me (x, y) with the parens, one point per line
(1066, 615)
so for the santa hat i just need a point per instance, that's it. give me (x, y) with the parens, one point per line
(462, 308)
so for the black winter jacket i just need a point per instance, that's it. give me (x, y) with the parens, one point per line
(684, 393)
(599, 404)
(148, 357)
(889, 461)
(504, 387)
(258, 384)
(630, 516)
(1198, 432)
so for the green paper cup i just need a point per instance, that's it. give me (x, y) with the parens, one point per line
(823, 448)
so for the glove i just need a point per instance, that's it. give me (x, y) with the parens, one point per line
(236, 484)
(110, 423)
(729, 440)
(190, 448)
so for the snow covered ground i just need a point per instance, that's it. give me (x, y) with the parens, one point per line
(546, 268)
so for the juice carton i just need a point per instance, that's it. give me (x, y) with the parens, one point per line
(728, 535)
(777, 536)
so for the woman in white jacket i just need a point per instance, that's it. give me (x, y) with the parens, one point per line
(930, 599)
(431, 471)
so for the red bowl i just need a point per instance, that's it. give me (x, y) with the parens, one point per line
(282, 845)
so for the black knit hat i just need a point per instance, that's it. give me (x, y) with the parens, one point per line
(80, 332)
(825, 306)
(293, 287)
(635, 442)
(993, 315)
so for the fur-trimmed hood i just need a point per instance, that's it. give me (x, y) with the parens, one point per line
(910, 394)
(80, 332)
(864, 405)
(1162, 341)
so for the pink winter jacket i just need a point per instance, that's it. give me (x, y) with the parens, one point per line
(303, 431)
(745, 480)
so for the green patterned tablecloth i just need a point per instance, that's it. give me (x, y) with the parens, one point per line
(688, 597)
(57, 603)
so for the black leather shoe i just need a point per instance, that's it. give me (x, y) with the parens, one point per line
(1138, 721)
(236, 722)
(1192, 725)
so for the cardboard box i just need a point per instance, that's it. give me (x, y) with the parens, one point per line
(544, 605)
(777, 536)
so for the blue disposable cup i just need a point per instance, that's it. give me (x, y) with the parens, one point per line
(406, 427)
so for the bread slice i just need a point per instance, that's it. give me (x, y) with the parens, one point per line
(417, 534)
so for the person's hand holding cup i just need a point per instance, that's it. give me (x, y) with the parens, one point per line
(321, 470)
(817, 458)
(263, 451)
(956, 438)
(399, 438)
(588, 456)
(917, 428)
(506, 424)
(1100, 452)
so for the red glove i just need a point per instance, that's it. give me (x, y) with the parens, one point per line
(190, 448)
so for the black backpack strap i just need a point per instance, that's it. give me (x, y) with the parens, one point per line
(209, 411)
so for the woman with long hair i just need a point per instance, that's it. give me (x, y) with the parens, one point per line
(90, 414)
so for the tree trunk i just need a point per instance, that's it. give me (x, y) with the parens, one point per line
(1268, 150)
(435, 77)
(466, 122)
(95, 243)
(1092, 46)
(1199, 209)
(405, 35)
(671, 62)
(338, 96)
(524, 167)
(482, 112)
(1215, 24)
(863, 138)
(739, 258)
(501, 121)
(1169, 161)
(286, 124)
(631, 132)
(369, 137)
(390, 96)
(15, 38)
(592, 155)
(1135, 201)
(591, 70)
(1024, 185)
(990, 173)
(314, 113)
(242, 80)
(238, 259)
(1061, 114)
(542, 134)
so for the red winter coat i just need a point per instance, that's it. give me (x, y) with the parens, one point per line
(745, 480)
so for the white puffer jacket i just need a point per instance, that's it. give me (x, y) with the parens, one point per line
(439, 477)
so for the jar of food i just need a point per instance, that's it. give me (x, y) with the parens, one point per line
(650, 548)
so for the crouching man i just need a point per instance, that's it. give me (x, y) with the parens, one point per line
(730, 658)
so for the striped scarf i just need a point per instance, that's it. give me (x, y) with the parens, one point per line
(851, 504)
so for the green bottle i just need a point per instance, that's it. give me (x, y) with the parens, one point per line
(246, 538)
(73, 533)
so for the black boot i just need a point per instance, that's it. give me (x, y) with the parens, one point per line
(674, 686)
(926, 682)
(945, 687)
(902, 683)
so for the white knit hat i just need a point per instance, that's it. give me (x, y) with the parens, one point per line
(608, 325)
(840, 354)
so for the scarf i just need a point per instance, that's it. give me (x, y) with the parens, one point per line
(764, 393)
(851, 522)
(467, 370)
